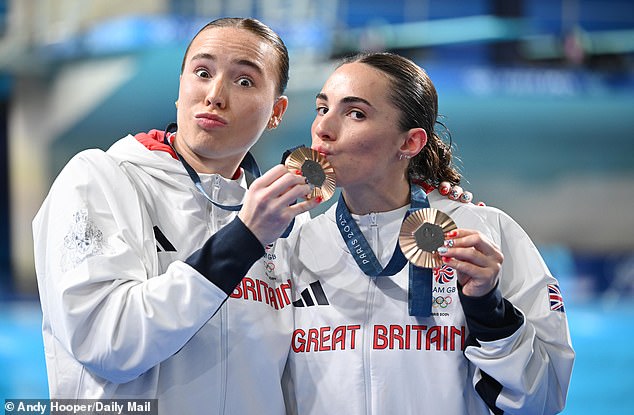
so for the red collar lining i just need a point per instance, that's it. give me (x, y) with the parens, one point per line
(154, 141)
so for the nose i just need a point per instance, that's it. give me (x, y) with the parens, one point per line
(216, 94)
(323, 127)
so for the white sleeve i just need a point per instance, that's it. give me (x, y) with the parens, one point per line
(99, 294)
(522, 367)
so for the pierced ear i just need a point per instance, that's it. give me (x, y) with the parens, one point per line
(279, 108)
(414, 143)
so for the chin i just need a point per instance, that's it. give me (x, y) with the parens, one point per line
(344, 184)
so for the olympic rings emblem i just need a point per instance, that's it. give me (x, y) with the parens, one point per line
(270, 267)
(441, 302)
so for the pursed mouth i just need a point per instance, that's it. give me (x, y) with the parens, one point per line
(322, 151)
(212, 118)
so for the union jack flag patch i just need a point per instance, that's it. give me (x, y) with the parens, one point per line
(555, 298)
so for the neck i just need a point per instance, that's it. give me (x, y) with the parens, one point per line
(366, 199)
(226, 167)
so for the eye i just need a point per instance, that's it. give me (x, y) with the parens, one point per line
(321, 110)
(356, 115)
(202, 73)
(245, 81)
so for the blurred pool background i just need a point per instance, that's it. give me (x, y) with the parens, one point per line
(538, 96)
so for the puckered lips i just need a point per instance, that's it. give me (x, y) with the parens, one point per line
(322, 150)
(208, 121)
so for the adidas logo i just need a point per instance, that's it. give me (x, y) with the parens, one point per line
(162, 243)
(312, 295)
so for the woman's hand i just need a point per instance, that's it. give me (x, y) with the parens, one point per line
(268, 204)
(476, 259)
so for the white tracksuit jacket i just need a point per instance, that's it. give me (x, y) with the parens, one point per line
(356, 351)
(135, 306)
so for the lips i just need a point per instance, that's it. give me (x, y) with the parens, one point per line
(321, 150)
(208, 120)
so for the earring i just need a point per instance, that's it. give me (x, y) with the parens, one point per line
(402, 156)
(273, 123)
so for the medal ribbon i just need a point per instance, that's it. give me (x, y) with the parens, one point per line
(248, 163)
(420, 279)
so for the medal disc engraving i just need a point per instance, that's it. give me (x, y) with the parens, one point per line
(319, 173)
(429, 237)
(313, 171)
(422, 233)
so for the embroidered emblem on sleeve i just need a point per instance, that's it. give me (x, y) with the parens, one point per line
(555, 298)
(83, 240)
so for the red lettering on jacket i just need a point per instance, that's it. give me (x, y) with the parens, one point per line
(324, 339)
(254, 289)
(399, 337)
(392, 337)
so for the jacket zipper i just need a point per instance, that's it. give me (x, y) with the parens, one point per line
(215, 226)
(374, 227)
(223, 361)
(367, 336)
(214, 194)
(367, 345)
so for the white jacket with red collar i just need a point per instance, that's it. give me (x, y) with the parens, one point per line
(356, 350)
(142, 290)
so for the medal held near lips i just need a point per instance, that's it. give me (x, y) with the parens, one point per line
(318, 172)
(422, 233)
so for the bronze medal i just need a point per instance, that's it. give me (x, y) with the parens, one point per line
(422, 233)
(316, 169)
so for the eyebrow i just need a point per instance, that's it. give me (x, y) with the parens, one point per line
(346, 100)
(242, 62)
